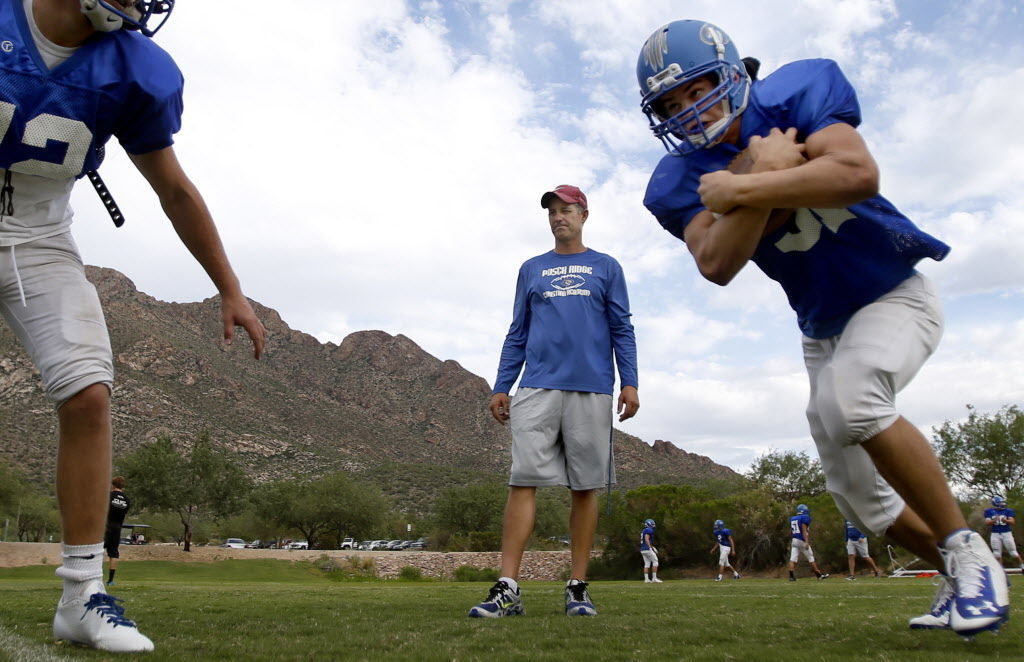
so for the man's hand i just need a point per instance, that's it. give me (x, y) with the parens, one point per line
(499, 407)
(717, 191)
(777, 151)
(236, 311)
(629, 403)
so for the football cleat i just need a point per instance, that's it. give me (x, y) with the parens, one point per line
(656, 581)
(850, 578)
(501, 601)
(938, 617)
(577, 600)
(96, 619)
(824, 575)
(735, 575)
(981, 600)
(718, 578)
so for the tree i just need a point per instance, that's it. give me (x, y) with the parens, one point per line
(204, 482)
(985, 453)
(789, 475)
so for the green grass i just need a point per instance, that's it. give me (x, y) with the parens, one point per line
(278, 610)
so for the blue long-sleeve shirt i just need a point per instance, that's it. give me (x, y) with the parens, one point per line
(571, 314)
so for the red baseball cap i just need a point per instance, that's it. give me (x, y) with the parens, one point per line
(566, 193)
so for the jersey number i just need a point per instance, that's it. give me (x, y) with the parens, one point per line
(808, 226)
(39, 131)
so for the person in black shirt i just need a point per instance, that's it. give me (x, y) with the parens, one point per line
(119, 505)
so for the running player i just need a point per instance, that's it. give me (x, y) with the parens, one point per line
(802, 203)
(571, 315)
(119, 506)
(726, 548)
(75, 73)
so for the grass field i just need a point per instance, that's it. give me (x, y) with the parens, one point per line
(278, 610)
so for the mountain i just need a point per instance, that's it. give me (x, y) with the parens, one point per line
(376, 405)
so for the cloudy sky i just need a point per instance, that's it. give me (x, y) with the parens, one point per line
(379, 166)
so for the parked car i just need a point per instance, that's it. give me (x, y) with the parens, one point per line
(298, 544)
(394, 545)
(349, 543)
(418, 544)
(234, 543)
(377, 545)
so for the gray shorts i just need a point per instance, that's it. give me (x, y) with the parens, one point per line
(61, 325)
(560, 438)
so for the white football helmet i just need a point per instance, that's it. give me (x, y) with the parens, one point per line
(129, 14)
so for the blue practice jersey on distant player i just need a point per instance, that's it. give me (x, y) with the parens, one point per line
(648, 531)
(852, 532)
(830, 262)
(570, 313)
(794, 525)
(999, 515)
(53, 123)
(723, 537)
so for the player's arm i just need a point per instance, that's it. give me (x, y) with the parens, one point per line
(732, 546)
(839, 172)
(187, 211)
(723, 238)
(806, 533)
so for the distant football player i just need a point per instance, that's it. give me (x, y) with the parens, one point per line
(857, 545)
(800, 542)
(773, 171)
(1001, 519)
(116, 512)
(649, 552)
(570, 320)
(726, 547)
(75, 73)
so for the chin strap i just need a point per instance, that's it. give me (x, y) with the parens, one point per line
(105, 19)
(108, 200)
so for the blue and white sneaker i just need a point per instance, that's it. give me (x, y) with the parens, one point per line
(981, 601)
(95, 619)
(502, 600)
(938, 617)
(577, 599)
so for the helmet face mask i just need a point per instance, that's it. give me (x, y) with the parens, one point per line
(719, 525)
(136, 15)
(649, 523)
(999, 501)
(707, 52)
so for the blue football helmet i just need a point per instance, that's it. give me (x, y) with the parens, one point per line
(649, 523)
(999, 501)
(135, 15)
(803, 510)
(719, 525)
(678, 53)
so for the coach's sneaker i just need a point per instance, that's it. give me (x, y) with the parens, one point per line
(95, 619)
(577, 600)
(502, 600)
(981, 601)
(938, 617)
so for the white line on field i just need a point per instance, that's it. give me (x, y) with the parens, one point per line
(24, 650)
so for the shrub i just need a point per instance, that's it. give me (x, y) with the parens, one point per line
(410, 573)
(471, 573)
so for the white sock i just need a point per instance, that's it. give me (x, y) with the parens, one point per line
(572, 582)
(654, 575)
(512, 584)
(82, 563)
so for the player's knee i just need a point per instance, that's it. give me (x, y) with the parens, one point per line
(853, 401)
(91, 404)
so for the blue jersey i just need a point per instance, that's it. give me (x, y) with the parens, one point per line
(571, 312)
(648, 531)
(723, 535)
(794, 525)
(853, 533)
(998, 517)
(830, 262)
(53, 123)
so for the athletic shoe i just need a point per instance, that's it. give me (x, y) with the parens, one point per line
(718, 578)
(877, 575)
(577, 600)
(655, 581)
(824, 575)
(647, 581)
(982, 601)
(501, 601)
(792, 579)
(851, 578)
(95, 619)
(735, 575)
(938, 617)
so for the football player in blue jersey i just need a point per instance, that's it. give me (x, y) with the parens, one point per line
(773, 171)
(570, 329)
(726, 547)
(74, 73)
(1002, 519)
(857, 545)
(649, 553)
(800, 542)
